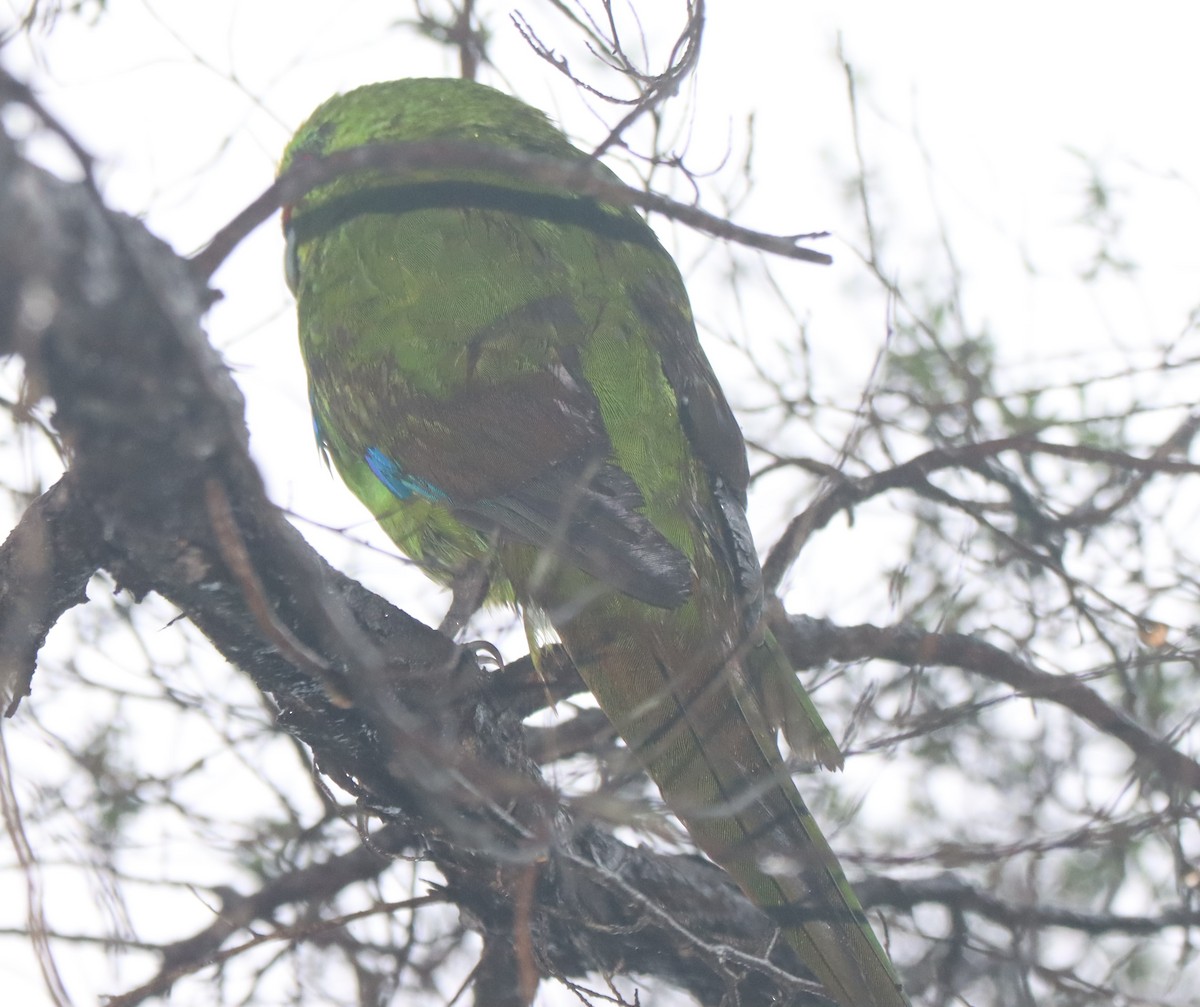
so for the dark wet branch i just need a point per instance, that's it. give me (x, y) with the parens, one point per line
(45, 565)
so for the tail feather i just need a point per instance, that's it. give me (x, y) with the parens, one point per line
(707, 742)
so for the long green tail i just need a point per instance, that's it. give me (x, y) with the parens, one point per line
(703, 736)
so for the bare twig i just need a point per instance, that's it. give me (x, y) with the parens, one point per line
(809, 641)
(575, 176)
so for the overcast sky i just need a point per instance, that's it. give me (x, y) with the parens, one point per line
(987, 119)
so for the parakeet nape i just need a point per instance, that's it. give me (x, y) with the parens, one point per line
(507, 374)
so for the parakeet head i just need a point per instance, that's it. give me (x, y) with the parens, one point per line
(428, 110)
(425, 109)
(412, 110)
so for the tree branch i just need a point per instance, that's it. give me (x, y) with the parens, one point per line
(843, 493)
(809, 642)
(45, 565)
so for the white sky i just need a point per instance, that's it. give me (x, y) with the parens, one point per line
(187, 106)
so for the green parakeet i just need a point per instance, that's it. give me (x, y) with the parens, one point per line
(508, 375)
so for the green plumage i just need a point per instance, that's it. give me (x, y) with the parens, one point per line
(508, 376)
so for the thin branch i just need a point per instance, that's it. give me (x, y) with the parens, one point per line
(237, 558)
(398, 158)
(951, 891)
(35, 909)
(315, 884)
(811, 641)
(163, 981)
(848, 492)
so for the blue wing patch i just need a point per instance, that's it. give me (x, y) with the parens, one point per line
(388, 471)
